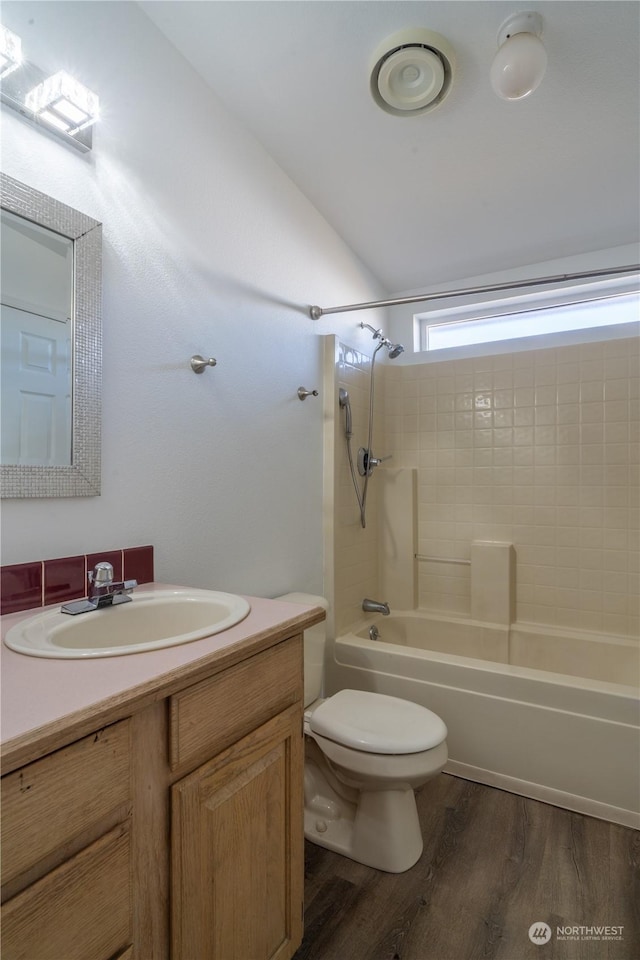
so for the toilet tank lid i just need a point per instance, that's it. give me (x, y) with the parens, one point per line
(376, 723)
(309, 599)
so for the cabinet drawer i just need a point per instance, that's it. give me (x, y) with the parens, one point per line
(48, 802)
(215, 713)
(82, 909)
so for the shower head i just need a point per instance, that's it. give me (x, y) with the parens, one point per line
(345, 404)
(395, 349)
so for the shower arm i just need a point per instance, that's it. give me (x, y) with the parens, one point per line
(377, 334)
(316, 312)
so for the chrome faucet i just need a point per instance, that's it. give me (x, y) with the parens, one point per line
(375, 606)
(103, 591)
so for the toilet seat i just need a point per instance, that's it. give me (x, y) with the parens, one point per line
(377, 723)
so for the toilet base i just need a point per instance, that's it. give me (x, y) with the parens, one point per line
(378, 828)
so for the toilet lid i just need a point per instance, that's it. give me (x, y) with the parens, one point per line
(375, 723)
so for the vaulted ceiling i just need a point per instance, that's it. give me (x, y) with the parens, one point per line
(477, 185)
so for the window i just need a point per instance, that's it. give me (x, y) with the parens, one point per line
(586, 312)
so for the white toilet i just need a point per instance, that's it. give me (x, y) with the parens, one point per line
(365, 753)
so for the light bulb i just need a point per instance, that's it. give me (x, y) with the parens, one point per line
(518, 66)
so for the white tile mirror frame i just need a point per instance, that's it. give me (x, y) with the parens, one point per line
(82, 477)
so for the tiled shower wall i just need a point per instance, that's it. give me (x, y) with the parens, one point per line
(540, 449)
(355, 568)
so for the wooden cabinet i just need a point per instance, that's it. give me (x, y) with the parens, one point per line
(46, 804)
(211, 715)
(79, 910)
(190, 808)
(237, 849)
(66, 866)
(236, 820)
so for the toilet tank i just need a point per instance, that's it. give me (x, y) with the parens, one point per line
(314, 643)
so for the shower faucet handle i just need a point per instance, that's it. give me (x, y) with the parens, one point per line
(366, 462)
(374, 461)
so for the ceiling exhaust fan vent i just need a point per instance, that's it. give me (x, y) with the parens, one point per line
(412, 72)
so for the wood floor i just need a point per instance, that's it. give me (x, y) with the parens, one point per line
(493, 864)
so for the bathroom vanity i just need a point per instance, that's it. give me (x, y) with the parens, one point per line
(152, 803)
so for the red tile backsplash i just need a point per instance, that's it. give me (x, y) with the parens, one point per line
(21, 586)
(64, 579)
(25, 586)
(138, 564)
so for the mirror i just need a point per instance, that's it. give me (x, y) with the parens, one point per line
(35, 362)
(50, 347)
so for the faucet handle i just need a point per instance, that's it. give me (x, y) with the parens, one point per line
(101, 574)
(374, 461)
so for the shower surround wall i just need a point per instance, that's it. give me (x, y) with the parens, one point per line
(539, 449)
(351, 552)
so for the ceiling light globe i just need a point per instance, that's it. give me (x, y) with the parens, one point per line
(518, 66)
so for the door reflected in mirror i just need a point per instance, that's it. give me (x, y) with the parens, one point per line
(36, 280)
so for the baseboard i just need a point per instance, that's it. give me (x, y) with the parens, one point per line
(535, 791)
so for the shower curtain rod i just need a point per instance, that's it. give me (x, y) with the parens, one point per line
(316, 312)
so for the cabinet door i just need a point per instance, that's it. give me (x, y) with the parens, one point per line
(237, 849)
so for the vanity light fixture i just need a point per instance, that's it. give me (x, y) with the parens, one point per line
(10, 52)
(520, 63)
(65, 103)
(57, 104)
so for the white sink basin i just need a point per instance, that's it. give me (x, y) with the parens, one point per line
(152, 620)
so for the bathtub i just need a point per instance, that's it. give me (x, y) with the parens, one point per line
(569, 735)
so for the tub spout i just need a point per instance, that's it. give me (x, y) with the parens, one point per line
(375, 606)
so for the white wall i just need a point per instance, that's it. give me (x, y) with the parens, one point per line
(208, 248)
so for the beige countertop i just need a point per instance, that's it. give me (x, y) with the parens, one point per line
(44, 700)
